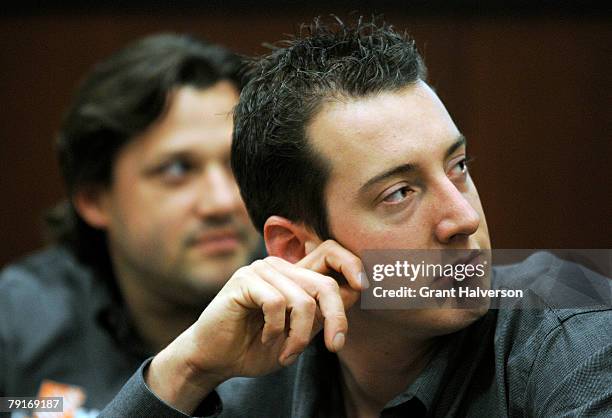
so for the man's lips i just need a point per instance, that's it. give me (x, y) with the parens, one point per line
(468, 258)
(217, 242)
(471, 257)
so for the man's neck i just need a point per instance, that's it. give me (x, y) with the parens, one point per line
(158, 320)
(378, 363)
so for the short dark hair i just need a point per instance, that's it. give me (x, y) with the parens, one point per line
(277, 169)
(118, 100)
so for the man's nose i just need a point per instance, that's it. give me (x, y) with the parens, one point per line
(218, 193)
(457, 218)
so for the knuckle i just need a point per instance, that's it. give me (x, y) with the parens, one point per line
(258, 264)
(276, 327)
(272, 259)
(276, 302)
(331, 285)
(242, 271)
(329, 244)
(241, 274)
(302, 305)
(340, 319)
(308, 305)
(354, 259)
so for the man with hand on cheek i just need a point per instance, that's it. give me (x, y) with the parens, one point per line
(337, 135)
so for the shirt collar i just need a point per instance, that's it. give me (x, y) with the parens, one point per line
(428, 382)
(317, 390)
(112, 315)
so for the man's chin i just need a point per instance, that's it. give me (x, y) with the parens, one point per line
(452, 320)
(433, 322)
(201, 288)
(216, 269)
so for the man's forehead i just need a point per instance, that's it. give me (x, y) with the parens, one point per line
(212, 102)
(197, 121)
(359, 135)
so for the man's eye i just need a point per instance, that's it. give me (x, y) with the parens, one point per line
(461, 168)
(462, 165)
(398, 195)
(175, 170)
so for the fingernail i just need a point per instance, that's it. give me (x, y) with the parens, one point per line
(363, 280)
(338, 341)
(290, 359)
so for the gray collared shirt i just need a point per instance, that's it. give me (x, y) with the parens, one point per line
(61, 324)
(545, 362)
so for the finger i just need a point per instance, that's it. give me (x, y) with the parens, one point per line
(335, 325)
(310, 280)
(257, 293)
(326, 292)
(331, 256)
(301, 305)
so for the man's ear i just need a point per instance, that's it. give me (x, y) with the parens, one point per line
(288, 240)
(92, 205)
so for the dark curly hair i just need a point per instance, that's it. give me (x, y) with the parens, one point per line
(278, 171)
(118, 100)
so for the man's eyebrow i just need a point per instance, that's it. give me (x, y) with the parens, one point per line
(171, 154)
(409, 168)
(459, 142)
(400, 169)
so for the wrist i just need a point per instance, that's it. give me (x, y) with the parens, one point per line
(175, 380)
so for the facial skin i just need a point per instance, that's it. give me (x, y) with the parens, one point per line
(431, 205)
(177, 227)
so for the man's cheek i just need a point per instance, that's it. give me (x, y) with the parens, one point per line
(152, 237)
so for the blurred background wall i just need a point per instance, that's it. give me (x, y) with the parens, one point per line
(528, 83)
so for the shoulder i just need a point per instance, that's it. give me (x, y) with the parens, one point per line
(561, 297)
(563, 331)
(546, 343)
(40, 295)
(45, 267)
(47, 270)
(555, 291)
